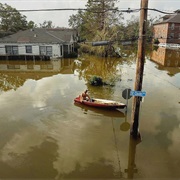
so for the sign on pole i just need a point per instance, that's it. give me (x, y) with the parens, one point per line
(138, 93)
(126, 94)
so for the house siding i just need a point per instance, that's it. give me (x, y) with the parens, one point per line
(57, 50)
(161, 32)
(54, 43)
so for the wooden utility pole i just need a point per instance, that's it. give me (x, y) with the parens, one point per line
(139, 68)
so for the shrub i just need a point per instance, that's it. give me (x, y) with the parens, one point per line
(156, 41)
(96, 81)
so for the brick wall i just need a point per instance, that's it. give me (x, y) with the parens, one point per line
(167, 32)
(174, 33)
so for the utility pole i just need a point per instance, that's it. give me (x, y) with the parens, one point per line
(139, 69)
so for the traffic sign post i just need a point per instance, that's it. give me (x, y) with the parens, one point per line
(126, 95)
(138, 93)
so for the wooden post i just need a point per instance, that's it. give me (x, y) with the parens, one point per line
(139, 68)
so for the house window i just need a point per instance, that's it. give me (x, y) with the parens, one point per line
(172, 26)
(28, 49)
(8, 49)
(13, 50)
(61, 48)
(45, 50)
(42, 50)
(49, 51)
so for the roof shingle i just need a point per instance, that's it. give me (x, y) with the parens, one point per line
(41, 35)
(175, 18)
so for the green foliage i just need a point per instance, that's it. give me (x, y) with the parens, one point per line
(97, 20)
(132, 28)
(71, 55)
(130, 31)
(98, 23)
(31, 25)
(96, 81)
(11, 20)
(155, 48)
(156, 41)
(47, 24)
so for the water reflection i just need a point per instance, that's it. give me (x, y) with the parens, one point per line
(125, 126)
(102, 67)
(44, 135)
(106, 68)
(13, 74)
(166, 57)
(105, 112)
(37, 66)
(132, 168)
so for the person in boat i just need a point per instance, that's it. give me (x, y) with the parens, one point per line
(85, 96)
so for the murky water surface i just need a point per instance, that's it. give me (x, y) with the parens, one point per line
(43, 134)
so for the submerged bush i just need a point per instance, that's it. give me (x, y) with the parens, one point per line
(70, 55)
(156, 41)
(96, 81)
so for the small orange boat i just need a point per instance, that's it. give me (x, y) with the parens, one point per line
(100, 103)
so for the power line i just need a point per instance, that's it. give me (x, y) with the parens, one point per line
(91, 10)
(163, 12)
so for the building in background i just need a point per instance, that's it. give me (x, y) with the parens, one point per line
(167, 29)
(39, 43)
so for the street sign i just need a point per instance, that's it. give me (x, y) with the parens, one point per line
(138, 93)
(126, 94)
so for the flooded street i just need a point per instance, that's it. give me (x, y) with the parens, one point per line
(43, 134)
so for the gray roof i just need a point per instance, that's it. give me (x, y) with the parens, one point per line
(41, 35)
(175, 18)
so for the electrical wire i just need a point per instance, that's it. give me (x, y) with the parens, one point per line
(163, 12)
(129, 10)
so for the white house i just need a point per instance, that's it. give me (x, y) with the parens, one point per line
(52, 43)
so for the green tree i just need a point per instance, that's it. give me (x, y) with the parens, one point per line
(31, 25)
(11, 19)
(130, 30)
(98, 19)
(99, 22)
(47, 24)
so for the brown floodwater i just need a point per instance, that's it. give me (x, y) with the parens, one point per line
(44, 135)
